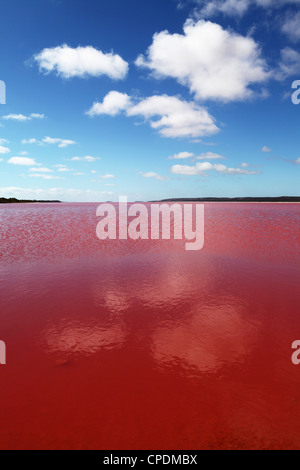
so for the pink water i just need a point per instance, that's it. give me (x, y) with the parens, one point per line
(143, 345)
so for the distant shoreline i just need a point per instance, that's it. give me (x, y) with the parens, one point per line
(13, 200)
(282, 199)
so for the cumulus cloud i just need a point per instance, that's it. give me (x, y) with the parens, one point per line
(37, 116)
(201, 168)
(3, 141)
(22, 161)
(289, 64)
(107, 176)
(202, 156)
(291, 26)
(173, 117)
(46, 177)
(84, 159)
(23, 117)
(41, 169)
(212, 62)
(113, 103)
(266, 149)
(234, 171)
(64, 169)
(188, 170)
(16, 117)
(62, 143)
(210, 156)
(152, 174)
(181, 156)
(29, 141)
(170, 115)
(70, 62)
(227, 7)
(236, 8)
(4, 149)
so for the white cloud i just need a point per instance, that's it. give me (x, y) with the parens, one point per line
(71, 62)
(4, 141)
(46, 177)
(297, 161)
(187, 170)
(152, 174)
(84, 159)
(181, 156)
(291, 26)
(227, 7)
(266, 149)
(210, 156)
(113, 103)
(234, 171)
(107, 176)
(37, 116)
(29, 141)
(78, 174)
(214, 63)
(40, 169)
(175, 117)
(22, 117)
(4, 149)
(289, 64)
(210, 8)
(62, 143)
(22, 161)
(202, 156)
(64, 169)
(202, 167)
(16, 117)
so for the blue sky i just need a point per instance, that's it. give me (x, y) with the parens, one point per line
(150, 99)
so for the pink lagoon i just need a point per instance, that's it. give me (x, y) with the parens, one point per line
(126, 344)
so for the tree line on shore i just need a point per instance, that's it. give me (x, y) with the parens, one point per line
(13, 200)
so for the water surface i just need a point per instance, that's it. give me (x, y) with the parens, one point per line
(143, 345)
